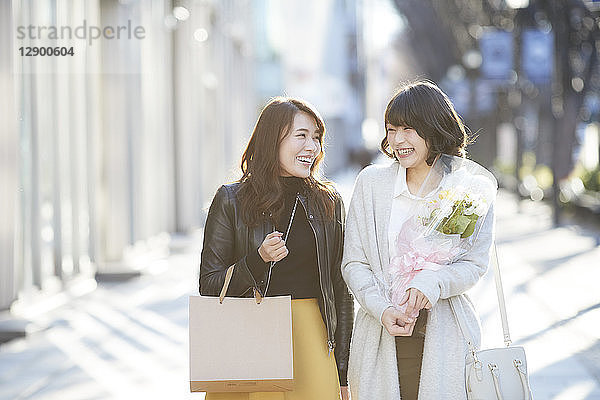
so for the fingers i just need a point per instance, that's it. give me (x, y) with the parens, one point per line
(411, 302)
(394, 327)
(395, 322)
(280, 253)
(387, 318)
(273, 238)
(276, 254)
(394, 316)
(396, 330)
(406, 330)
(404, 299)
(403, 319)
(274, 234)
(421, 301)
(344, 393)
(277, 246)
(425, 304)
(415, 301)
(273, 247)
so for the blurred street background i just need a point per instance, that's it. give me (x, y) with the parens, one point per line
(112, 147)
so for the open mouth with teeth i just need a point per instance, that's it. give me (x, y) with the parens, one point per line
(307, 161)
(404, 152)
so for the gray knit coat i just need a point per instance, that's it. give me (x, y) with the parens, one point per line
(373, 371)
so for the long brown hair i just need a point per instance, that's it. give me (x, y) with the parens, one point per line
(261, 191)
(425, 108)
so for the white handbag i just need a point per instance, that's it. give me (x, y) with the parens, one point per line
(495, 374)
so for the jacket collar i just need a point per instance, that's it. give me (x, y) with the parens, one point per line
(311, 211)
(383, 209)
(401, 187)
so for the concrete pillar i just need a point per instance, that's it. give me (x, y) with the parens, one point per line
(9, 151)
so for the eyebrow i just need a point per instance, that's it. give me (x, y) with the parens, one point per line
(307, 130)
(388, 125)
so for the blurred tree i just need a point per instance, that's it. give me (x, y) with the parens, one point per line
(442, 32)
(436, 47)
(576, 37)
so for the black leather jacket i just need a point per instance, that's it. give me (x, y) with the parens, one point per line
(228, 240)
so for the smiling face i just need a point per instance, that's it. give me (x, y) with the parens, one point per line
(300, 147)
(408, 147)
(423, 107)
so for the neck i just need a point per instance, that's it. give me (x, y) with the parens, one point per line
(291, 183)
(415, 176)
(290, 178)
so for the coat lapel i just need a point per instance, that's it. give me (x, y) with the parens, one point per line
(384, 192)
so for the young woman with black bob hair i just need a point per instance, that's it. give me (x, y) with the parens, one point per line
(279, 191)
(411, 348)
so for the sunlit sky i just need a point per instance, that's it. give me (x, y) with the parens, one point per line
(381, 23)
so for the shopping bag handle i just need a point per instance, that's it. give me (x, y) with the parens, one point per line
(228, 276)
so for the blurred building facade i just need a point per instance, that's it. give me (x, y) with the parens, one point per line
(128, 139)
(122, 142)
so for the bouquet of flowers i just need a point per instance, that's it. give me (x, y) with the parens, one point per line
(443, 224)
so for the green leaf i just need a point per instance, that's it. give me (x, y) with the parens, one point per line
(461, 223)
(471, 227)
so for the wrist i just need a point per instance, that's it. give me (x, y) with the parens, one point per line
(383, 314)
(260, 253)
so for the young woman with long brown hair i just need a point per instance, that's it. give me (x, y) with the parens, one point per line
(280, 191)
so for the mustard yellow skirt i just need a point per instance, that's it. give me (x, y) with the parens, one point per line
(315, 373)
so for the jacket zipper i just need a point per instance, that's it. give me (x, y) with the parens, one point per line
(330, 342)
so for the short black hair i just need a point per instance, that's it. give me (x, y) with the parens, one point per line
(424, 107)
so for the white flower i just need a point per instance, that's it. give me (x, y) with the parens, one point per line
(485, 188)
(481, 208)
(471, 209)
(445, 210)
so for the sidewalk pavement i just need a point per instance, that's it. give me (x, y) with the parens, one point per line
(128, 340)
(550, 278)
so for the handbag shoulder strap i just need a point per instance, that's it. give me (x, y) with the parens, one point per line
(500, 294)
(501, 304)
